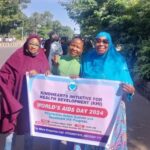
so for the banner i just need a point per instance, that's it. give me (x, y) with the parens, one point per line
(77, 110)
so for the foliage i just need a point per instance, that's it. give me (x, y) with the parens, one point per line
(43, 23)
(23, 3)
(10, 14)
(127, 21)
(14, 22)
(37, 22)
(143, 63)
(66, 31)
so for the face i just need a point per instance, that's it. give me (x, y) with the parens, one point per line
(76, 47)
(102, 45)
(33, 46)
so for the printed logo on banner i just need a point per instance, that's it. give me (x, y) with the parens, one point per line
(72, 86)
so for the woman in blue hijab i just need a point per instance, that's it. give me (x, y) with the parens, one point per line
(104, 62)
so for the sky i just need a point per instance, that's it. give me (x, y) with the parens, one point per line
(58, 12)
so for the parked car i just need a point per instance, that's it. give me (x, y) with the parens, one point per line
(9, 39)
(1, 39)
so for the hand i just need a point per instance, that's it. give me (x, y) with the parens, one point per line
(47, 72)
(128, 88)
(74, 76)
(33, 73)
(55, 59)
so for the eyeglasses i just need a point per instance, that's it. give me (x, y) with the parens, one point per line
(33, 44)
(104, 41)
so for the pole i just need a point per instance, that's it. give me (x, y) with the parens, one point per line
(22, 32)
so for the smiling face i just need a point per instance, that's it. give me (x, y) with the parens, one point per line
(102, 45)
(76, 47)
(33, 46)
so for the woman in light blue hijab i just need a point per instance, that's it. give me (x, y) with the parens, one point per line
(104, 62)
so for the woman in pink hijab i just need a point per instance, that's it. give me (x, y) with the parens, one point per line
(30, 58)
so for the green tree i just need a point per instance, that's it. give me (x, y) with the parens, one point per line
(66, 31)
(62, 30)
(57, 26)
(43, 23)
(127, 21)
(142, 67)
(10, 14)
(40, 23)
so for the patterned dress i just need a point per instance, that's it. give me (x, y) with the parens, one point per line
(109, 66)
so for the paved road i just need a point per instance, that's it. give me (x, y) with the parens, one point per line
(138, 115)
(138, 120)
(5, 52)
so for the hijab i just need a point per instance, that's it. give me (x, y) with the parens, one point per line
(25, 46)
(110, 65)
(12, 81)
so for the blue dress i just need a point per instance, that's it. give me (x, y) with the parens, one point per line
(109, 66)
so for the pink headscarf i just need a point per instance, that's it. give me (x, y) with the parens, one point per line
(12, 86)
(31, 36)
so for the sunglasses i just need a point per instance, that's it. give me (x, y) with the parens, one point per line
(104, 41)
(33, 44)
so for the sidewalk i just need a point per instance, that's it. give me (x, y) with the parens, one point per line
(138, 123)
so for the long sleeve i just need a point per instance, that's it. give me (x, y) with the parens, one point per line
(9, 109)
(126, 78)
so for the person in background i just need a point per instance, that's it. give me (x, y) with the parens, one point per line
(47, 43)
(14, 109)
(104, 62)
(88, 45)
(68, 65)
(55, 48)
(43, 43)
(64, 44)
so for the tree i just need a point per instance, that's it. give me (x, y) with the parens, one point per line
(10, 14)
(66, 31)
(43, 23)
(143, 62)
(62, 30)
(56, 26)
(23, 3)
(39, 20)
(127, 21)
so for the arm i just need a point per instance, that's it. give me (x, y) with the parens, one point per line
(127, 85)
(56, 61)
(7, 76)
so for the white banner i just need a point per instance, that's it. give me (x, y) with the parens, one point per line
(77, 110)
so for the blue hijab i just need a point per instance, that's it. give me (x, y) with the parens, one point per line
(110, 66)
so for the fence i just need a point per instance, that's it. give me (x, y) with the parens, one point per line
(11, 44)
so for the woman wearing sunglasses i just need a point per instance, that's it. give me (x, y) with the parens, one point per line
(104, 62)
